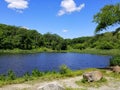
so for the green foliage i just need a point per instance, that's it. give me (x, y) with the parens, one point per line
(27, 76)
(96, 84)
(79, 46)
(12, 37)
(48, 76)
(84, 80)
(36, 73)
(2, 77)
(115, 61)
(19, 40)
(11, 75)
(64, 69)
(105, 45)
(107, 16)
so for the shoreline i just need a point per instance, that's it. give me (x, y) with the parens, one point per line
(49, 77)
(112, 52)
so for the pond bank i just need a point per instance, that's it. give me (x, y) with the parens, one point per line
(112, 52)
(69, 83)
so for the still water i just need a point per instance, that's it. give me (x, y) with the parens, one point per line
(21, 63)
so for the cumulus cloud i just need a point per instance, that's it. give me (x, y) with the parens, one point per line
(69, 6)
(65, 31)
(18, 5)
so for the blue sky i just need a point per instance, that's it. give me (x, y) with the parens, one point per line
(67, 18)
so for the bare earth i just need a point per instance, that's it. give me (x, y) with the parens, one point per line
(69, 82)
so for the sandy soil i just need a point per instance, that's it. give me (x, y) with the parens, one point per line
(69, 82)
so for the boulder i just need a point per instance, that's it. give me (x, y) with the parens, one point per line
(116, 69)
(93, 76)
(51, 86)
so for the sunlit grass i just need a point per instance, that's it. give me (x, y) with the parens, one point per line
(112, 52)
(49, 76)
(95, 84)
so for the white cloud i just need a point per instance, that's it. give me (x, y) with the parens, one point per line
(69, 6)
(24, 27)
(65, 31)
(18, 5)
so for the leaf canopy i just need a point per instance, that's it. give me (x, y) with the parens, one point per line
(107, 16)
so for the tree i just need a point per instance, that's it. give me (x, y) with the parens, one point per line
(107, 16)
(52, 41)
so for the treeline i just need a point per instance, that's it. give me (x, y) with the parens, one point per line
(12, 37)
(108, 40)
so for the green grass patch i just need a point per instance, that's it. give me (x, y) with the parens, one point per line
(65, 72)
(95, 84)
(20, 51)
(112, 52)
(11, 78)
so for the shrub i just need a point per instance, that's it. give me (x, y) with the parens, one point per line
(11, 75)
(2, 77)
(64, 69)
(104, 45)
(27, 76)
(79, 46)
(115, 61)
(36, 73)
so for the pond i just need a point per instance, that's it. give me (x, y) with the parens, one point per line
(21, 63)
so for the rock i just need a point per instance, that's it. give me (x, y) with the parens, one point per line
(51, 86)
(116, 69)
(93, 76)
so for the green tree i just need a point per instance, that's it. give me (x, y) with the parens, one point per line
(107, 16)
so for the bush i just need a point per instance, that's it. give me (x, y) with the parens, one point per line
(11, 75)
(64, 69)
(115, 61)
(36, 73)
(79, 46)
(104, 45)
(27, 76)
(2, 77)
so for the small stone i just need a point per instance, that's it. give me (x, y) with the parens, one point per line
(116, 69)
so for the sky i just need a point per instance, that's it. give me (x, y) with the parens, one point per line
(67, 18)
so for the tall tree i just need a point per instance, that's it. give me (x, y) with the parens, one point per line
(107, 16)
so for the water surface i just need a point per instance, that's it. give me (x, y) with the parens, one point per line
(21, 63)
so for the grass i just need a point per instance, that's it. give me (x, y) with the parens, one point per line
(53, 75)
(116, 76)
(95, 84)
(108, 76)
(41, 76)
(112, 52)
(49, 76)
(11, 78)
(20, 51)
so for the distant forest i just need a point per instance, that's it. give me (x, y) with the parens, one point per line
(12, 37)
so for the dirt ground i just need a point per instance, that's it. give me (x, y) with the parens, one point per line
(69, 82)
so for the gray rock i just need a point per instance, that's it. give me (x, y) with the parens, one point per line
(51, 86)
(93, 76)
(116, 69)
